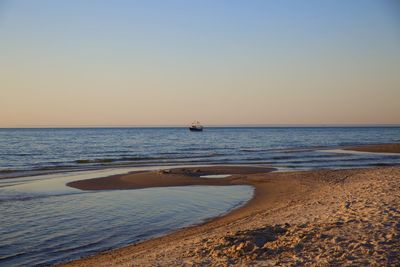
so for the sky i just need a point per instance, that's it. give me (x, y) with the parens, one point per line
(261, 62)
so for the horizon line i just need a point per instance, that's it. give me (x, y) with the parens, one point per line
(208, 125)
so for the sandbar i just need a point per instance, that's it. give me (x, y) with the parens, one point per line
(378, 148)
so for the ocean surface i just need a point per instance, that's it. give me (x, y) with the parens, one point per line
(39, 150)
(43, 222)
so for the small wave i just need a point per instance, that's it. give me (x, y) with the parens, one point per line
(27, 197)
(210, 155)
(281, 150)
(383, 164)
(196, 148)
(23, 154)
(7, 171)
(254, 150)
(86, 161)
(12, 256)
(52, 168)
(19, 198)
(283, 157)
(111, 160)
(169, 153)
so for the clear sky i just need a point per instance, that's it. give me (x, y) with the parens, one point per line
(108, 63)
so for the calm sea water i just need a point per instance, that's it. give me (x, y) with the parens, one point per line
(43, 222)
(72, 149)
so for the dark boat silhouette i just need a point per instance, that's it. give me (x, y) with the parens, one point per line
(196, 127)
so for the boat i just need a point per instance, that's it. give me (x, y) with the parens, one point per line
(196, 127)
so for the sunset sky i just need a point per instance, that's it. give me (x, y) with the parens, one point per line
(127, 63)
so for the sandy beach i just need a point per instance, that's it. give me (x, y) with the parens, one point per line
(340, 217)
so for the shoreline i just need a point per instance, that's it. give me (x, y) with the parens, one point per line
(284, 206)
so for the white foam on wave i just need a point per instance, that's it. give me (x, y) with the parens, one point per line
(344, 151)
(216, 176)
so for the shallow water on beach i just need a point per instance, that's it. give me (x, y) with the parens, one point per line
(44, 222)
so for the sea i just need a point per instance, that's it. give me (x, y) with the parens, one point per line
(44, 222)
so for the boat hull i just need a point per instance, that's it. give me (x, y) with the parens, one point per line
(193, 129)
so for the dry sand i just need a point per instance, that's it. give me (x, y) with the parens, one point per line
(341, 217)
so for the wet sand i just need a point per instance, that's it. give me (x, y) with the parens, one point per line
(341, 217)
(380, 148)
(171, 177)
